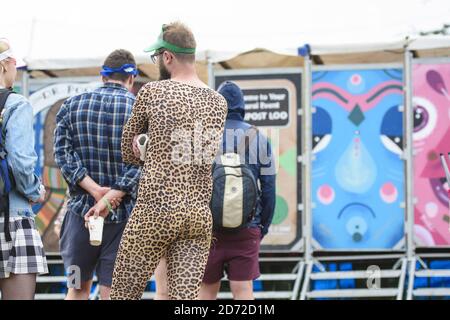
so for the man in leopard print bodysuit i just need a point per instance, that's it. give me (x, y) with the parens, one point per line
(184, 120)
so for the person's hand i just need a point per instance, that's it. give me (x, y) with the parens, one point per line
(100, 209)
(92, 212)
(136, 151)
(264, 232)
(115, 202)
(42, 196)
(99, 193)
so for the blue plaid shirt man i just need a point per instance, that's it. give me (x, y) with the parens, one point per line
(87, 142)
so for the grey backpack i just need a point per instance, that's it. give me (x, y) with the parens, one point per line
(235, 190)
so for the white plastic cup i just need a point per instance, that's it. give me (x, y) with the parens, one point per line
(96, 230)
(42, 190)
(142, 142)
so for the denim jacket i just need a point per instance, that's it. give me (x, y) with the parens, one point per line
(22, 158)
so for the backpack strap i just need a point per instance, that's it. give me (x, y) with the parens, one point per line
(4, 94)
(245, 143)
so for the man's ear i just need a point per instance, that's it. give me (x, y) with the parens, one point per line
(168, 57)
(131, 81)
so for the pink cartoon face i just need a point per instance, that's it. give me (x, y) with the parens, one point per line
(431, 137)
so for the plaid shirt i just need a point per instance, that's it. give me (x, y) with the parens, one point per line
(88, 135)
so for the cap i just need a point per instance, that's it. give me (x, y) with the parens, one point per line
(6, 52)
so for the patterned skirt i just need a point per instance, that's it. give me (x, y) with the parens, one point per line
(25, 253)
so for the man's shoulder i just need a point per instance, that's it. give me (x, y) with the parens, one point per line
(218, 101)
(16, 103)
(217, 96)
(127, 94)
(253, 130)
(152, 85)
(80, 97)
(113, 91)
(240, 124)
(151, 88)
(73, 103)
(97, 94)
(16, 100)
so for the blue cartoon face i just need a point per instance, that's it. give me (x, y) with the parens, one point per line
(357, 171)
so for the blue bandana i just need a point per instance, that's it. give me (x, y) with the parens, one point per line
(126, 69)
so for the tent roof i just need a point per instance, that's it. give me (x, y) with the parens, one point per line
(53, 46)
(342, 53)
(75, 50)
(381, 51)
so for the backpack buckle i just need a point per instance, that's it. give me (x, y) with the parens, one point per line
(3, 155)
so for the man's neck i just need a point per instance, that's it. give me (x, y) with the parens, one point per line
(187, 75)
(116, 82)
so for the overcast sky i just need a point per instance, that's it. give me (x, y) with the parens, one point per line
(214, 22)
(289, 15)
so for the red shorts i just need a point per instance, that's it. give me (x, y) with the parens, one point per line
(237, 253)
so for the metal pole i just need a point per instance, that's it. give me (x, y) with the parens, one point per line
(409, 127)
(211, 79)
(298, 281)
(306, 157)
(305, 288)
(25, 83)
(411, 275)
(401, 281)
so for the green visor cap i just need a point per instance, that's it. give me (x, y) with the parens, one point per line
(161, 43)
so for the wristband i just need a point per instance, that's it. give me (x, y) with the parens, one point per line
(108, 204)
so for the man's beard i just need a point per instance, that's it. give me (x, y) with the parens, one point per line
(164, 74)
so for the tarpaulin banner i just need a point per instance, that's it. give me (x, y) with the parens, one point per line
(357, 170)
(431, 101)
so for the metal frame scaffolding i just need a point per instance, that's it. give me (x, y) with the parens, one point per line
(398, 267)
(427, 253)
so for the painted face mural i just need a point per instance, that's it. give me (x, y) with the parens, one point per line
(431, 102)
(357, 174)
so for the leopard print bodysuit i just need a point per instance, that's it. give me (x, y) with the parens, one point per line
(172, 216)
